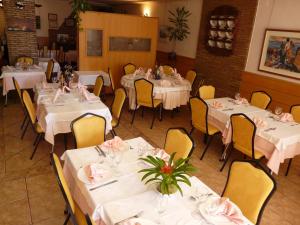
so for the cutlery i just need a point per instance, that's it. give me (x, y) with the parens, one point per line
(269, 129)
(99, 153)
(102, 185)
(102, 152)
(227, 109)
(296, 124)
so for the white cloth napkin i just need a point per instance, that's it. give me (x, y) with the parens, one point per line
(286, 117)
(57, 94)
(217, 105)
(94, 173)
(259, 122)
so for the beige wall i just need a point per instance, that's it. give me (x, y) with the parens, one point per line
(273, 14)
(60, 7)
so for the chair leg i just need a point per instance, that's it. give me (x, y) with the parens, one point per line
(143, 111)
(133, 115)
(210, 138)
(192, 130)
(205, 139)
(24, 131)
(66, 141)
(153, 118)
(226, 160)
(24, 121)
(288, 168)
(160, 112)
(36, 139)
(67, 219)
(113, 133)
(36, 146)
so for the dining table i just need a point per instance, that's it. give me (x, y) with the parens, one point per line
(277, 140)
(172, 91)
(43, 63)
(89, 77)
(27, 77)
(55, 116)
(120, 197)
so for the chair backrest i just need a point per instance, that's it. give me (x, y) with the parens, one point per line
(89, 220)
(168, 70)
(295, 111)
(49, 70)
(243, 134)
(207, 92)
(88, 130)
(111, 79)
(191, 76)
(118, 102)
(129, 68)
(144, 92)
(250, 188)
(17, 87)
(178, 140)
(98, 86)
(29, 106)
(199, 110)
(25, 59)
(260, 99)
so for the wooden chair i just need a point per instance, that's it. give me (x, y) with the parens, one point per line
(250, 187)
(191, 76)
(49, 70)
(116, 108)
(25, 59)
(98, 86)
(260, 99)
(168, 70)
(111, 78)
(129, 68)
(207, 92)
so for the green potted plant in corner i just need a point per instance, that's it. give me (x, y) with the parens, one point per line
(179, 30)
(79, 6)
(168, 174)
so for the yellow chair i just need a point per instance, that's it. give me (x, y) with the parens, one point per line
(199, 110)
(144, 98)
(98, 86)
(25, 59)
(88, 130)
(295, 111)
(89, 220)
(74, 213)
(191, 76)
(19, 91)
(168, 70)
(111, 78)
(178, 140)
(129, 68)
(243, 135)
(116, 108)
(260, 99)
(49, 70)
(31, 113)
(207, 92)
(250, 187)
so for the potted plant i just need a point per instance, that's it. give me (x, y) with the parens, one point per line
(179, 29)
(79, 6)
(167, 174)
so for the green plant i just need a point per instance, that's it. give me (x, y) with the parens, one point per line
(180, 29)
(79, 6)
(167, 174)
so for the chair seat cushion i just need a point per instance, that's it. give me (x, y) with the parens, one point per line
(211, 129)
(156, 102)
(248, 152)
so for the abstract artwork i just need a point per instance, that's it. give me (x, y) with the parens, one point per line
(281, 53)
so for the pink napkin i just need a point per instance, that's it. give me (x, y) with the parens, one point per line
(259, 122)
(165, 83)
(114, 144)
(224, 207)
(57, 94)
(65, 88)
(217, 105)
(160, 153)
(93, 172)
(45, 85)
(129, 222)
(148, 74)
(286, 117)
(241, 101)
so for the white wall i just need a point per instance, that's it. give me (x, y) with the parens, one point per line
(188, 47)
(60, 7)
(272, 14)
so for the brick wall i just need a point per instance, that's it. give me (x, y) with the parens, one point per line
(20, 43)
(225, 72)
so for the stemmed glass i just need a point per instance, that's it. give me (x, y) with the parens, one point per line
(237, 96)
(54, 79)
(278, 111)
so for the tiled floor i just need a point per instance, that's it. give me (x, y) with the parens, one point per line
(29, 193)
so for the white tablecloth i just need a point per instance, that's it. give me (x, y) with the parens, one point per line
(129, 196)
(173, 96)
(89, 77)
(276, 145)
(26, 78)
(56, 117)
(43, 62)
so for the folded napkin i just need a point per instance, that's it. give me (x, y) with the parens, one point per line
(45, 85)
(259, 122)
(161, 70)
(90, 97)
(139, 71)
(165, 83)
(286, 117)
(94, 173)
(114, 144)
(241, 101)
(224, 207)
(148, 74)
(217, 105)
(57, 94)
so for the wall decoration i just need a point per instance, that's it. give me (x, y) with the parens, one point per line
(52, 20)
(37, 22)
(19, 24)
(94, 42)
(129, 44)
(281, 53)
(221, 31)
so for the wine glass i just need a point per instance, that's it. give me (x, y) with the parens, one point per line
(237, 96)
(54, 79)
(278, 111)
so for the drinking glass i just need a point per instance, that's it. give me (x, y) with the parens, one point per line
(54, 79)
(278, 110)
(237, 96)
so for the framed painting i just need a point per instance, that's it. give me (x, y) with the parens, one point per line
(94, 42)
(281, 53)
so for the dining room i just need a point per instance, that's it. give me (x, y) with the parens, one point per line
(157, 112)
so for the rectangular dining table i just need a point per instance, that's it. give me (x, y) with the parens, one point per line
(277, 140)
(123, 195)
(89, 77)
(56, 117)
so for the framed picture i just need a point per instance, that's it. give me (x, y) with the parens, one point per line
(69, 22)
(94, 42)
(281, 53)
(52, 16)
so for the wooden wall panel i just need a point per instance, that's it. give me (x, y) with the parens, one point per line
(283, 93)
(117, 25)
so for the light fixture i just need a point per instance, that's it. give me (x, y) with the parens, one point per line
(146, 11)
(20, 4)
